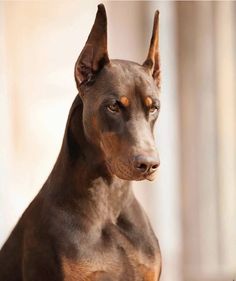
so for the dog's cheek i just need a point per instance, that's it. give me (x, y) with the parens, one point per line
(116, 157)
(110, 145)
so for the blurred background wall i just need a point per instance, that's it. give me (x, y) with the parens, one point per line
(192, 204)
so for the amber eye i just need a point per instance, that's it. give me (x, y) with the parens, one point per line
(114, 108)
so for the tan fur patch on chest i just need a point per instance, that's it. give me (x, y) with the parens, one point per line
(86, 270)
(149, 274)
(94, 271)
(112, 263)
(75, 271)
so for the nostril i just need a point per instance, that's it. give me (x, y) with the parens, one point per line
(154, 167)
(142, 167)
(145, 164)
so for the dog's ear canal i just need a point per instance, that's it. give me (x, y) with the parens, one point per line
(94, 54)
(152, 63)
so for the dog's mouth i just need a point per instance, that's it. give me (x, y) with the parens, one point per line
(151, 176)
(125, 171)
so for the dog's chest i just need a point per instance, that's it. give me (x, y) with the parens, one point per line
(115, 255)
(119, 243)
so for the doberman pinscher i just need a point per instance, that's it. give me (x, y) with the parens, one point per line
(85, 224)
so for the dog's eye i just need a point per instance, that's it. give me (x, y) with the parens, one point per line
(114, 107)
(153, 109)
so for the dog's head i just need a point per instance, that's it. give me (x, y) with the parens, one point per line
(120, 103)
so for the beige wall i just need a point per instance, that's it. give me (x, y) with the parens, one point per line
(207, 64)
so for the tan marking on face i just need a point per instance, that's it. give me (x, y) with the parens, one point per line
(94, 122)
(148, 101)
(125, 101)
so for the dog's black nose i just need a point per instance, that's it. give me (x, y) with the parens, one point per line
(146, 164)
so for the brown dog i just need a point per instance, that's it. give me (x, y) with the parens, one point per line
(86, 224)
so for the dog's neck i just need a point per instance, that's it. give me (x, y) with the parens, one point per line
(80, 172)
(79, 157)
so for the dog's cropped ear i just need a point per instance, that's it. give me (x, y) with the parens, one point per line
(152, 63)
(94, 54)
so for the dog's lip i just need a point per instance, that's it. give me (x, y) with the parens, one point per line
(150, 176)
(136, 177)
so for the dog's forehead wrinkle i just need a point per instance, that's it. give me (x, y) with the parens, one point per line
(129, 79)
(126, 69)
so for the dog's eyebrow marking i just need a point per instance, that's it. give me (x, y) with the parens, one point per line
(148, 101)
(125, 101)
